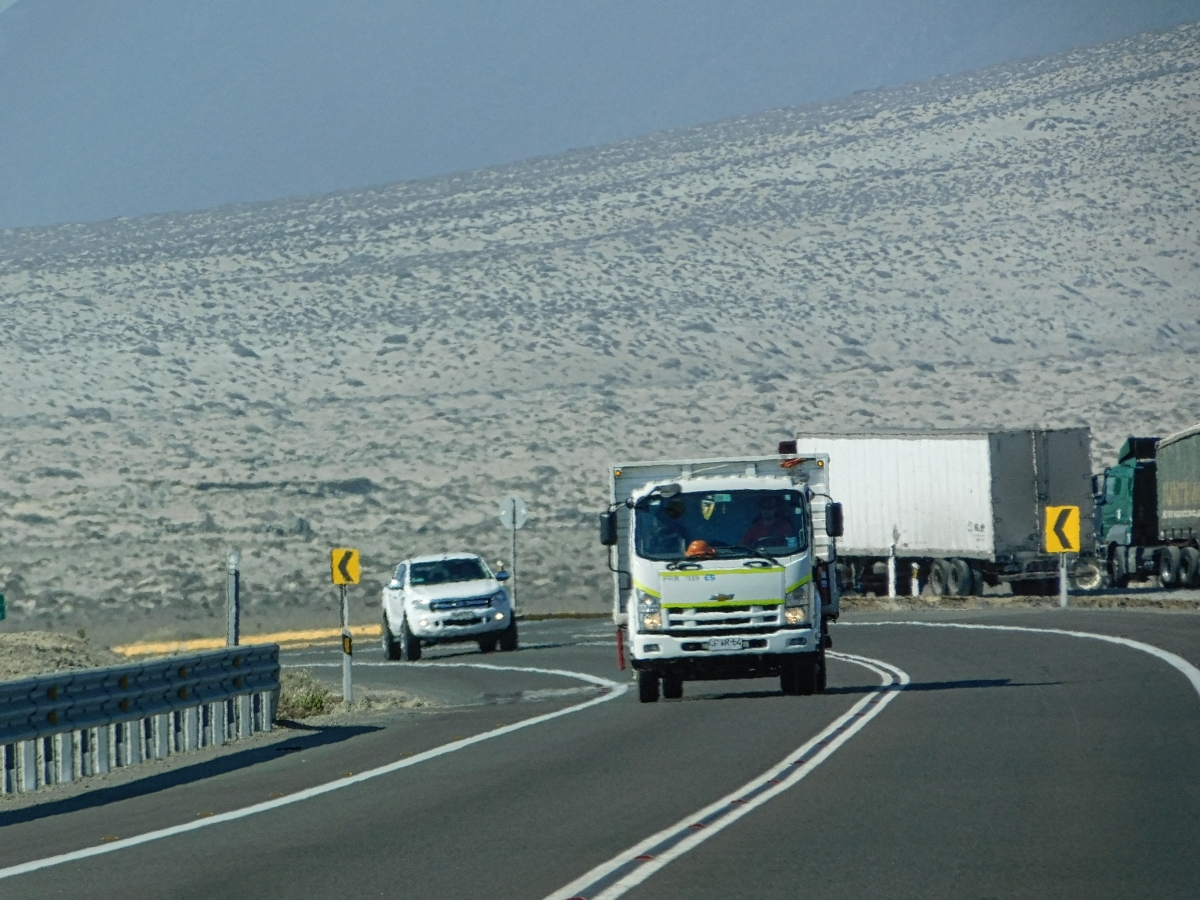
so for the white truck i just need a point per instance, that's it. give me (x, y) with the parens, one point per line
(960, 509)
(723, 569)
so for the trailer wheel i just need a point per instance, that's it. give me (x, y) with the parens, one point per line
(1168, 567)
(1189, 567)
(976, 583)
(958, 581)
(672, 687)
(939, 575)
(647, 687)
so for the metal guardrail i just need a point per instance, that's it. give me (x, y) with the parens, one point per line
(85, 722)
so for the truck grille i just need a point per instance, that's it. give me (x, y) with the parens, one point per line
(472, 603)
(724, 618)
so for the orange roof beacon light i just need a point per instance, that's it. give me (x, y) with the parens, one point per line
(700, 550)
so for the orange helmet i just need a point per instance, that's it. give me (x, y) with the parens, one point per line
(700, 550)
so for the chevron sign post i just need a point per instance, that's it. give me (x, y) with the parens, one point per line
(344, 567)
(1062, 537)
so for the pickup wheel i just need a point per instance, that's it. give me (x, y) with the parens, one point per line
(391, 647)
(647, 687)
(410, 644)
(508, 637)
(487, 644)
(672, 687)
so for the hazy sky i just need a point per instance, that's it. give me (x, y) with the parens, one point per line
(116, 107)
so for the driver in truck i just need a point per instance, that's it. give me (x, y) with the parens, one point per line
(772, 525)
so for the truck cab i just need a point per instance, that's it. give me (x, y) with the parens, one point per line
(723, 571)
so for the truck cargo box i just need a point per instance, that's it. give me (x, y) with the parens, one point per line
(954, 494)
(1178, 474)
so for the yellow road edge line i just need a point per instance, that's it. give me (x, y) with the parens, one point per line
(312, 635)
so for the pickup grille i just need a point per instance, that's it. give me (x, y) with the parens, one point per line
(472, 603)
(723, 618)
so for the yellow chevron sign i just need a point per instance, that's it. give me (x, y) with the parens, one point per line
(1062, 529)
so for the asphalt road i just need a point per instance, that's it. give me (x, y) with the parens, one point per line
(1014, 764)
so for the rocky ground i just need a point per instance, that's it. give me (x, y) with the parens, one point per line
(1015, 247)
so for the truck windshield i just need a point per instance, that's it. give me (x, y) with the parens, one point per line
(735, 524)
(447, 570)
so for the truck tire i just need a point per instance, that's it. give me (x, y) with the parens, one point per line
(1168, 567)
(410, 644)
(1118, 574)
(391, 647)
(809, 673)
(672, 687)
(487, 644)
(508, 637)
(1087, 575)
(976, 582)
(822, 679)
(958, 580)
(939, 575)
(1189, 567)
(647, 687)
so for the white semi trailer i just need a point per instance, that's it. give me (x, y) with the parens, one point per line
(723, 569)
(966, 509)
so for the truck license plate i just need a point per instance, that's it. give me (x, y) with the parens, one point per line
(724, 643)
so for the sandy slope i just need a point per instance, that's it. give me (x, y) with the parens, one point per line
(1017, 247)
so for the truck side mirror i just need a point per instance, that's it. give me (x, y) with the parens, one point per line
(833, 519)
(608, 528)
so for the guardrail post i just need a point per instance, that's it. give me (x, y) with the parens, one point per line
(8, 769)
(46, 768)
(162, 736)
(245, 716)
(106, 748)
(27, 765)
(64, 757)
(267, 703)
(191, 725)
(218, 715)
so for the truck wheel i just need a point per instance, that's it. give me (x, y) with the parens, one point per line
(487, 644)
(822, 680)
(976, 582)
(1168, 567)
(1087, 575)
(672, 687)
(1118, 574)
(789, 678)
(958, 582)
(508, 637)
(1189, 567)
(410, 644)
(939, 575)
(808, 675)
(647, 687)
(391, 648)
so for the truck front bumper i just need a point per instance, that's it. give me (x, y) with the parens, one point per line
(693, 658)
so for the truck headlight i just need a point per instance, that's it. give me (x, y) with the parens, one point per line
(649, 611)
(794, 615)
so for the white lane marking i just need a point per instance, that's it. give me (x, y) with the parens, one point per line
(1190, 672)
(606, 882)
(614, 690)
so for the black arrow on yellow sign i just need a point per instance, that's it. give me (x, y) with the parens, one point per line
(349, 554)
(1060, 523)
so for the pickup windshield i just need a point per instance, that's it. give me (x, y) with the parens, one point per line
(734, 524)
(445, 571)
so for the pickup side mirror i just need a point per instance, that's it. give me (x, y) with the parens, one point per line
(608, 528)
(502, 576)
(833, 520)
(394, 585)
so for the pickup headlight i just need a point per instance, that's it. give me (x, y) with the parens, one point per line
(649, 612)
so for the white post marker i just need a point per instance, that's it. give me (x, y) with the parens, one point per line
(232, 599)
(915, 582)
(1062, 580)
(513, 516)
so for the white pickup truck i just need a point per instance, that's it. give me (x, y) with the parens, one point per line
(723, 569)
(444, 599)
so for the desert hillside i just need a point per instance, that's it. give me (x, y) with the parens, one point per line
(1015, 247)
